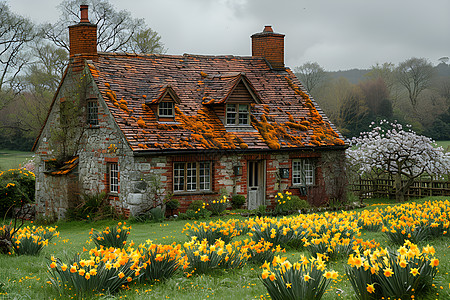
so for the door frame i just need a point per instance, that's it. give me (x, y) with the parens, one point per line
(261, 166)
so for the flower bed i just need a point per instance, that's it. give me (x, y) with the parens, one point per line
(348, 241)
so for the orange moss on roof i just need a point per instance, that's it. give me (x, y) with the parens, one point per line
(284, 115)
(67, 167)
(323, 134)
(93, 70)
(141, 122)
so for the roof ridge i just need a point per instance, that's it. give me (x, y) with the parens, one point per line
(177, 56)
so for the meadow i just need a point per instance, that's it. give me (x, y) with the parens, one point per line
(26, 277)
(444, 144)
(12, 159)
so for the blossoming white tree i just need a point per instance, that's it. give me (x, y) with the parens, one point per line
(402, 153)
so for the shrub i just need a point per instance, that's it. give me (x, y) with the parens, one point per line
(301, 280)
(237, 201)
(16, 188)
(218, 206)
(171, 204)
(287, 203)
(282, 203)
(111, 237)
(296, 203)
(197, 205)
(196, 210)
(91, 207)
(157, 214)
(262, 211)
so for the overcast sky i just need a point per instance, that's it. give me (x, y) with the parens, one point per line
(337, 34)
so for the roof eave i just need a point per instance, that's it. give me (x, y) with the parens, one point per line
(234, 151)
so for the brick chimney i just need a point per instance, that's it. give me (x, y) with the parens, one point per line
(269, 45)
(83, 36)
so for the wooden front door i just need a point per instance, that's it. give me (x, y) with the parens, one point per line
(255, 184)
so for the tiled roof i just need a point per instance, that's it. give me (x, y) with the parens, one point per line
(66, 167)
(286, 116)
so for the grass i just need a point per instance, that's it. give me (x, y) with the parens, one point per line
(444, 144)
(25, 277)
(12, 159)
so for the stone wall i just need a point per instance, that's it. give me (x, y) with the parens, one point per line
(145, 180)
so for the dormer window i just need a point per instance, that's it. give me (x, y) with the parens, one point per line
(163, 106)
(166, 110)
(237, 114)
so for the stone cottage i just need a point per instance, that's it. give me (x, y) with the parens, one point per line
(190, 125)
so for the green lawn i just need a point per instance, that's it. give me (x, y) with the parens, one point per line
(25, 277)
(444, 144)
(11, 159)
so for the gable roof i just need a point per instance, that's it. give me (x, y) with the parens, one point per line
(219, 87)
(283, 116)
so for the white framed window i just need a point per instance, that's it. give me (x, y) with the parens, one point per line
(237, 114)
(303, 172)
(178, 177)
(166, 110)
(114, 178)
(204, 176)
(92, 112)
(191, 176)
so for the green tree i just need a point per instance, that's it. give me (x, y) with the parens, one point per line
(25, 115)
(116, 30)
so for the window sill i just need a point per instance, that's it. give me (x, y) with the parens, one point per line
(234, 128)
(182, 193)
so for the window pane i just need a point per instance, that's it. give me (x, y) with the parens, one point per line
(191, 176)
(309, 172)
(92, 113)
(231, 114)
(303, 172)
(114, 178)
(166, 109)
(243, 114)
(204, 176)
(178, 177)
(296, 172)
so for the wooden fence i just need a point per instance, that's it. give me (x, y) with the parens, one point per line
(384, 187)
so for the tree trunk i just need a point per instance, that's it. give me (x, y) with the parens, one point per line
(399, 190)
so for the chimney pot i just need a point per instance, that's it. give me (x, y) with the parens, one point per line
(84, 14)
(268, 28)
